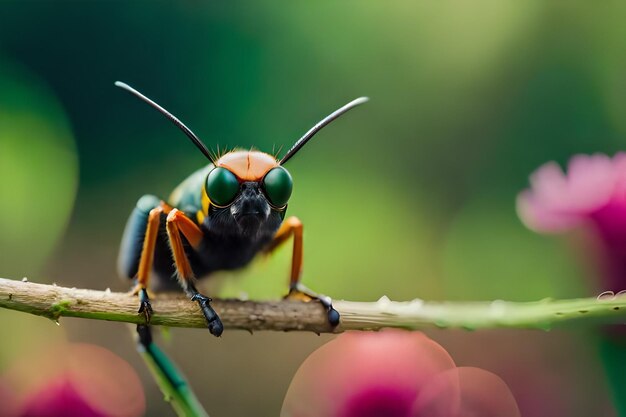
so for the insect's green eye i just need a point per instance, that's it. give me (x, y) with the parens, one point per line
(221, 186)
(278, 185)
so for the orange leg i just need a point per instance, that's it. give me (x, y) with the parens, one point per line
(177, 224)
(147, 253)
(292, 226)
(145, 262)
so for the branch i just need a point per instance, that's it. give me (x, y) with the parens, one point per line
(54, 302)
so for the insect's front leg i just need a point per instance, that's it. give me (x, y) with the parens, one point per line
(177, 223)
(136, 255)
(292, 226)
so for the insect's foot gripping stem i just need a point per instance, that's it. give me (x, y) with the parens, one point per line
(144, 304)
(298, 291)
(333, 315)
(213, 320)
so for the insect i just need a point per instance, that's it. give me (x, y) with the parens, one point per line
(218, 218)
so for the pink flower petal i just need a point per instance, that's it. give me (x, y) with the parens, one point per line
(59, 399)
(536, 216)
(591, 181)
(548, 180)
(557, 202)
(87, 376)
(389, 364)
(467, 392)
(619, 162)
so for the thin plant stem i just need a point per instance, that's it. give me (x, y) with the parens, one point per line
(55, 302)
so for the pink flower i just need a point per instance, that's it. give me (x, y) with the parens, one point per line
(393, 374)
(59, 398)
(591, 194)
(72, 380)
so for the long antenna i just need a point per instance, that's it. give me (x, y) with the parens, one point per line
(308, 135)
(171, 117)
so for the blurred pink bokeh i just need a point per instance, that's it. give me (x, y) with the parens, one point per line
(395, 374)
(71, 380)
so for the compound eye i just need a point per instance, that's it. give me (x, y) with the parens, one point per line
(278, 185)
(221, 186)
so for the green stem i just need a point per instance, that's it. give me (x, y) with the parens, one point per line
(613, 353)
(171, 381)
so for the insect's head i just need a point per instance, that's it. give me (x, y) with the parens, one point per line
(226, 181)
(252, 186)
(248, 186)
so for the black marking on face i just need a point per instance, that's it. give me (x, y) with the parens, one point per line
(250, 215)
(251, 209)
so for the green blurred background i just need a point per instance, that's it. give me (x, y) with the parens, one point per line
(411, 195)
